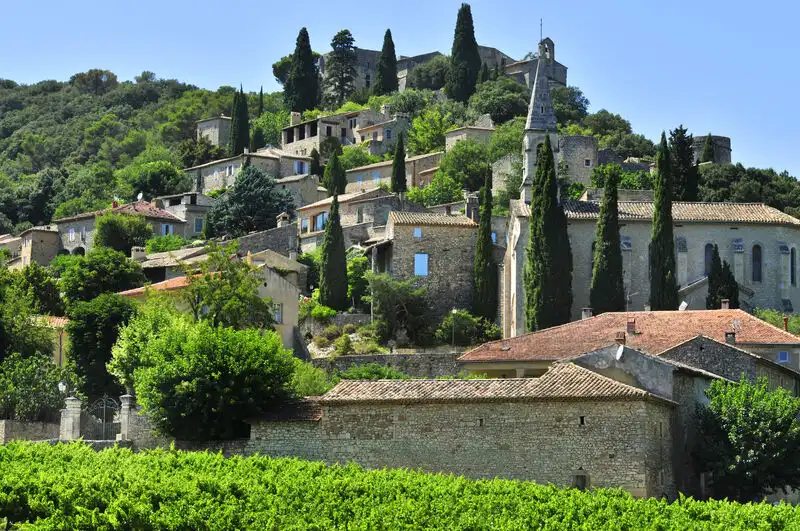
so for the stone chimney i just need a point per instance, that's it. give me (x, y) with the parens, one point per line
(631, 326)
(725, 304)
(586, 313)
(472, 206)
(283, 219)
(295, 118)
(620, 338)
(138, 254)
(730, 338)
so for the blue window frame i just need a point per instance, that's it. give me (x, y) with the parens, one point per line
(418, 232)
(494, 237)
(421, 265)
(783, 357)
(198, 225)
(376, 177)
(359, 178)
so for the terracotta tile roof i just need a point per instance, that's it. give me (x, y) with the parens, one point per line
(655, 333)
(758, 213)
(172, 258)
(51, 321)
(564, 381)
(166, 285)
(308, 409)
(141, 208)
(428, 218)
(346, 198)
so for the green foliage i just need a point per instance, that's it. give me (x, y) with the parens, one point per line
(465, 62)
(604, 123)
(467, 163)
(61, 263)
(749, 439)
(708, 150)
(503, 99)
(301, 90)
(548, 258)
(353, 157)
(29, 388)
(484, 293)
(322, 342)
(684, 170)
(443, 189)
(343, 346)
(95, 82)
(430, 75)
(240, 126)
(93, 328)
(371, 371)
(322, 313)
(775, 318)
(340, 69)
(663, 281)
(513, 183)
(721, 284)
(399, 167)
(154, 179)
(20, 332)
(41, 289)
(357, 284)
(507, 139)
(252, 204)
(398, 305)
(607, 290)
(386, 75)
(121, 232)
(331, 332)
(411, 101)
(282, 67)
(201, 382)
(570, 105)
(102, 270)
(464, 329)
(257, 140)
(335, 179)
(308, 380)
(312, 260)
(333, 269)
(627, 180)
(170, 489)
(315, 167)
(427, 132)
(161, 244)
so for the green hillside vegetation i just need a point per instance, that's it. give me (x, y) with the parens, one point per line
(71, 486)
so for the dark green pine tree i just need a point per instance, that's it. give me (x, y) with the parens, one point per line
(399, 167)
(729, 288)
(708, 150)
(240, 125)
(301, 89)
(465, 62)
(386, 75)
(715, 280)
(257, 138)
(663, 282)
(684, 170)
(495, 72)
(340, 69)
(315, 167)
(607, 291)
(335, 179)
(484, 294)
(333, 269)
(483, 73)
(548, 258)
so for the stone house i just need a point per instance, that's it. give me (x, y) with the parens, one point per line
(720, 144)
(366, 67)
(482, 135)
(192, 207)
(38, 244)
(217, 130)
(437, 251)
(76, 233)
(380, 173)
(282, 239)
(158, 267)
(300, 137)
(382, 137)
(11, 243)
(524, 71)
(406, 64)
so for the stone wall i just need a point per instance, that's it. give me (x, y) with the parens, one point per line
(282, 240)
(12, 430)
(314, 328)
(427, 365)
(575, 152)
(715, 357)
(721, 145)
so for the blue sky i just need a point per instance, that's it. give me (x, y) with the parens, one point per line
(726, 67)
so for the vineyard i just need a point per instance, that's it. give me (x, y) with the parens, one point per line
(73, 487)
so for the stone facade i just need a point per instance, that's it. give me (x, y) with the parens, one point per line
(380, 173)
(192, 207)
(301, 137)
(281, 239)
(12, 430)
(423, 365)
(722, 148)
(382, 137)
(525, 71)
(39, 244)
(216, 130)
(482, 135)
(12, 244)
(222, 173)
(77, 235)
(579, 155)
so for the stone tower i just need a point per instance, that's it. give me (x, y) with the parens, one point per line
(540, 122)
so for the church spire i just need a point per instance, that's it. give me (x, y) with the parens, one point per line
(541, 116)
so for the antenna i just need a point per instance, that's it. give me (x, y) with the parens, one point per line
(541, 34)
(620, 351)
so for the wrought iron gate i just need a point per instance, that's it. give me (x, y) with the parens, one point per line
(98, 422)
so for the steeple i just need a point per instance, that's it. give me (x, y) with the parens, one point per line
(541, 116)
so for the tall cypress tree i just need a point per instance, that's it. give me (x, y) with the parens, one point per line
(233, 139)
(335, 179)
(483, 73)
(465, 61)
(715, 280)
(240, 125)
(684, 170)
(729, 288)
(315, 167)
(484, 294)
(607, 292)
(708, 150)
(548, 257)
(386, 75)
(340, 70)
(333, 269)
(399, 167)
(257, 138)
(663, 284)
(301, 89)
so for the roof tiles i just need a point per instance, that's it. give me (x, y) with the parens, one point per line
(428, 218)
(141, 208)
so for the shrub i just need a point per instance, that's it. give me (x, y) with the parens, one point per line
(464, 329)
(372, 371)
(322, 342)
(162, 244)
(349, 328)
(29, 388)
(331, 332)
(398, 304)
(322, 313)
(308, 380)
(121, 232)
(363, 348)
(344, 346)
(102, 270)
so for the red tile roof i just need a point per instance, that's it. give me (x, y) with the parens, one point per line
(428, 218)
(51, 321)
(166, 285)
(564, 381)
(141, 208)
(655, 333)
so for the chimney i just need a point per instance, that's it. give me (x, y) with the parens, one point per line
(620, 338)
(472, 207)
(586, 313)
(386, 109)
(283, 219)
(726, 304)
(138, 254)
(730, 338)
(631, 326)
(295, 118)
(785, 323)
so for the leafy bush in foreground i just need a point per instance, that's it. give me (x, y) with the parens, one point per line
(73, 487)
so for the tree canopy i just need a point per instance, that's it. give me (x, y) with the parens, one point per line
(465, 62)
(340, 69)
(386, 75)
(121, 232)
(301, 89)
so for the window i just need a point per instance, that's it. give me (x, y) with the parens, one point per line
(542, 109)
(352, 123)
(793, 266)
(756, 263)
(360, 215)
(83, 234)
(387, 134)
(709, 255)
(359, 178)
(229, 171)
(421, 265)
(198, 225)
(587, 162)
(304, 225)
(368, 80)
(72, 235)
(344, 132)
(418, 232)
(375, 136)
(278, 313)
(580, 481)
(494, 237)
(328, 130)
(167, 229)
(312, 129)
(299, 167)
(376, 177)
(783, 357)
(289, 136)
(301, 133)
(320, 220)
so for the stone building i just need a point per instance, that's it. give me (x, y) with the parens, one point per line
(721, 145)
(380, 173)
(39, 244)
(381, 137)
(217, 130)
(524, 72)
(366, 69)
(482, 135)
(158, 267)
(300, 137)
(192, 207)
(406, 64)
(12, 244)
(281, 239)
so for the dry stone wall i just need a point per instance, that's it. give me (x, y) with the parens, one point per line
(12, 430)
(428, 365)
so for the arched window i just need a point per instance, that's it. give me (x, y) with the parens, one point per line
(709, 257)
(793, 267)
(756, 263)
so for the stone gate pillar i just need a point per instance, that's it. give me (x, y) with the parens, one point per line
(128, 404)
(70, 429)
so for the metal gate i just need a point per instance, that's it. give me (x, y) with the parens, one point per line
(99, 420)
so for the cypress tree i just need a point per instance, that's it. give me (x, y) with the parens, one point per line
(663, 284)
(465, 61)
(333, 269)
(233, 139)
(708, 150)
(495, 72)
(257, 138)
(483, 73)
(715, 280)
(484, 294)
(607, 292)
(684, 170)
(399, 167)
(301, 89)
(240, 125)
(335, 179)
(729, 288)
(386, 75)
(548, 257)
(315, 168)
